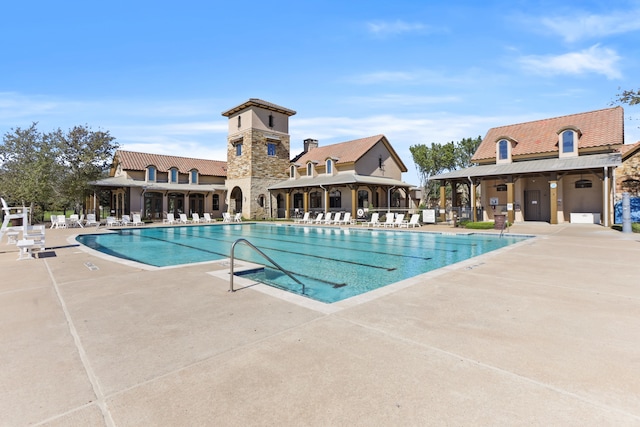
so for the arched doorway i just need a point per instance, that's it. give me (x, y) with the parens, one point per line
(235, 200)
(175, 203)
(153, 205)
(196, 204)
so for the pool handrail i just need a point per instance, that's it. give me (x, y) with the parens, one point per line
(265, 256)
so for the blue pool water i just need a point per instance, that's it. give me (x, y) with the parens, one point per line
(333, 263)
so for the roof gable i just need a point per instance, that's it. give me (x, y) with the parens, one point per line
(629, 150)
(255, 102)
(348, 152)
(598, 128)
(131, 160)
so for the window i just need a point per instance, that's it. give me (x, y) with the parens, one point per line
(261, 200)
(239, 149)
(270, 120)
(584, 183)
(309, 169)
(329, 166)
(292, 171)
(335, 199)
(363, 199)
(315, 200)
(194, 177)
(501, 187)
(216, 202)
(174, 175)
(239, 121)
(271, 149)
(298, 202)
(567, 141)
(151, 173)
(503, 149)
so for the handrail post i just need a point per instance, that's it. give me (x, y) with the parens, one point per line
(265, 256)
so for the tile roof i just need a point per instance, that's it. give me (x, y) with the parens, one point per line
(255, 102)
(131, 160)
(598, 128)
(346, 152)
(629, 149)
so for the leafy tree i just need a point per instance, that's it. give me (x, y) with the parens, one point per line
(28, 167)
(631, 97)
(84, 155)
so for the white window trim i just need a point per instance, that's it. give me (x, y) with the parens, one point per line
(561, 152)
(509, 147)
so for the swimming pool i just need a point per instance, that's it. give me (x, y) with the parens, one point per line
(333, 263)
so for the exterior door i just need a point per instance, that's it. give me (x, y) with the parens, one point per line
(532, 205)
(196, 204)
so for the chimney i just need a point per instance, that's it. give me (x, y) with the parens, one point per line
(310, 144)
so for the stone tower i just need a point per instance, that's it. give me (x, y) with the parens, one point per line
(258, 155)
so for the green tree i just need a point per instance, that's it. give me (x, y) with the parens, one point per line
(29, 170)
(630, 97)
(432, 160)
(84, 155)
(465, 149)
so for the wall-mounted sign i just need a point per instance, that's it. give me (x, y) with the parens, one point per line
(493, 201)
(554, 184)
(509, 206)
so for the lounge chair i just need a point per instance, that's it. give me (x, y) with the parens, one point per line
(112, 221)
(126, 220)
(346, 220)
(226, 217)
(184, 219)
(207, 217)
(319, 219)
(327, 219)
(399, 220)
(389, 220)
(336, 219)
(195, 217)
(170, 219)
(54, 220)
(413, 222)
(61, 222)
(237, 217)
(91, 220)
(374, 220)
(302, 220)
(137, 220)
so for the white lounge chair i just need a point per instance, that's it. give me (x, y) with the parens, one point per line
(112, 221)
(399, 220)
(137, 220)
(54, 221)
(237, 217)
(207, 217)
(374, 220)
(170, 219)
(302, 220)
(226, 217)
(336, 219)
(346, 220)
(195, 217)
(184, 219)
(327, 219)
(413, 222)
(91, 220)
(318, 219)
(61, 222)
(389, 220)
(126, 220)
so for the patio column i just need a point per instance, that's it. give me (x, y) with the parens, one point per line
(326, 201)
(510, 200)
(472, 197)
(443, 201)
(287, 203)
(305, 200)
(553, 200)
(354, 201)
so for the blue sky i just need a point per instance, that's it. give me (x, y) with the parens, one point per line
(158, 74)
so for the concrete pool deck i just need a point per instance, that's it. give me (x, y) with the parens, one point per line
(543, 333)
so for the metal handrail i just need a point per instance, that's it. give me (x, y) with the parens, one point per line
(265, 256)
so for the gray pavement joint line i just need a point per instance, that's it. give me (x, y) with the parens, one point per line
(570, 394)
(95, 383)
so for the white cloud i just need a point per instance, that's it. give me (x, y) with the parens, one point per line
(595, 59)
(386, 28)
(574, 27)
(396, 100)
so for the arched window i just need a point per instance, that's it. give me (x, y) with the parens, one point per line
(239, 121)
(568, 139)
(329, 166)
(292, 171)
(309, 169)
(335, 199)
(194, 177)
(363, 199)
(216, 202)
(151, 173)
(174, 175)
(315, 200)
(261, 200)
(503, 149)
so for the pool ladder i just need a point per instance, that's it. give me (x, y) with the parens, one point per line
(265, 256)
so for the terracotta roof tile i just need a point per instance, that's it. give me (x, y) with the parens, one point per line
(598, 128)
(132, 160)
(345, 152)
(628, 149)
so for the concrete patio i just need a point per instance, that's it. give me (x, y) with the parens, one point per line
(543, 333)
